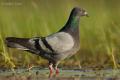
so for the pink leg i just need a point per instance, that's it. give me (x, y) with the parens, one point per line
(51, 70)
(57, 71)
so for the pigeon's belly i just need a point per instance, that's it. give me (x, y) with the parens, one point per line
(61, 42)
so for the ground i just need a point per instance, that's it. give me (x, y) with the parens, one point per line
(42, 74)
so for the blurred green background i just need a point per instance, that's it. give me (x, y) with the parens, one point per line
(99, 34)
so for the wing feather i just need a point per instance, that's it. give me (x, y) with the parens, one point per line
(60, 42)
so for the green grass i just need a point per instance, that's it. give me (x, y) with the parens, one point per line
(99, 34)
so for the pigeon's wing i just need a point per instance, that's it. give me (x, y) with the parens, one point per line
(60, 42)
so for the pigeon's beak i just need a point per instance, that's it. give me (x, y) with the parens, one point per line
(86, 14)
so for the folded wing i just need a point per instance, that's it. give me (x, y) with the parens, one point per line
(60, 42)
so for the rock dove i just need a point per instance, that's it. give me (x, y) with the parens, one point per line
(54, 47)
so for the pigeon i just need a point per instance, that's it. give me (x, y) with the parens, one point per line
(54, 47)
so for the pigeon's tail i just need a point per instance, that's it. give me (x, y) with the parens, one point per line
(31, 45)
(19, 43)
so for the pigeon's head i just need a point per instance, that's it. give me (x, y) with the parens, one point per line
(79, 12)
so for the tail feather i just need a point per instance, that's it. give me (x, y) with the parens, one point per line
(19, 43)
(31, 45)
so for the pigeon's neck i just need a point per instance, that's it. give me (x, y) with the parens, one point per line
(72, 24)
